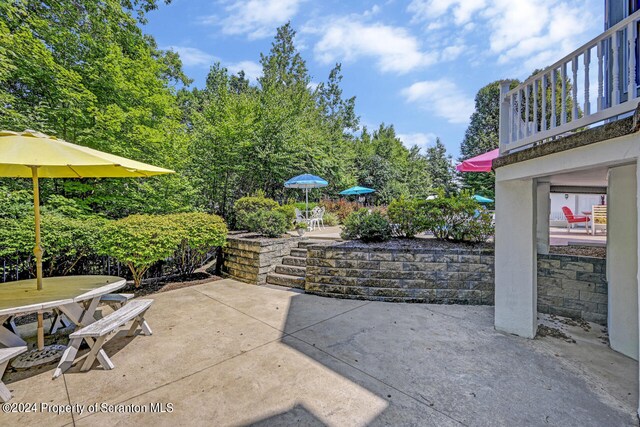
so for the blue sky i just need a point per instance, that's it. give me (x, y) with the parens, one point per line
(415, 64)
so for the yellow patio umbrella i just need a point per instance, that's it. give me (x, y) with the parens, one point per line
(35, 155)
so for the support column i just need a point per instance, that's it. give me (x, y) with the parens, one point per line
(515, 257)
(622, 260)
(543, 211)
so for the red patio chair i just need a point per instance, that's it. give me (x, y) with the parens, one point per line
(572, 219)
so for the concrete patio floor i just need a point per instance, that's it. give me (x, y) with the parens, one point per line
(229, 353)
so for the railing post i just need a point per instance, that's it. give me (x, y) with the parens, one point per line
(631, 37)
(615, 89)
(543, 92)
(505, 126)
(587, 64)
(600, 75)
(574, 92)
(554, 84)
(536, 85)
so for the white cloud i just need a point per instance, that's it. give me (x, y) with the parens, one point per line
(422, 140)
(252, 70)
(442, 98)
(192, 56)
(348, 39)
(528, 34)
(256, 19)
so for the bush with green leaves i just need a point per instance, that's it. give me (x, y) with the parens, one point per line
(330, 219)
(139, 241)
(458, 218)
(407, 217)
(246, 206)
(200, 236)
(268, 223)
(366, 226)
(65, 241)
(289, 211)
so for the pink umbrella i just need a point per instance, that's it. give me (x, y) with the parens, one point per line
(481, 163)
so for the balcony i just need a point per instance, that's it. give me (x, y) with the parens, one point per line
(597, 83)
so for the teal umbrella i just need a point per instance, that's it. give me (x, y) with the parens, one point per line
(357, 190)
(481, 199)
(306, 181)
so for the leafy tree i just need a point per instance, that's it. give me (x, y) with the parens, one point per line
(84, 71)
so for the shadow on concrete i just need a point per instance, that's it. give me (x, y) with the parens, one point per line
(296, 416)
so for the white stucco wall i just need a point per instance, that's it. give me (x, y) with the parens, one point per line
(622, 260)
(515, 268)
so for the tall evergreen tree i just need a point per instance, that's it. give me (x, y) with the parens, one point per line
(441, 169)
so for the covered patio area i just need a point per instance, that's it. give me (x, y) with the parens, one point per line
(229, 353)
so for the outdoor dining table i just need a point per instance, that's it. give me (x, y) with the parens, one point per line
(75, 296)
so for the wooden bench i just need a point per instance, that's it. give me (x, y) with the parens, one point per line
(7, 354)
(96, 334)
(115, 301)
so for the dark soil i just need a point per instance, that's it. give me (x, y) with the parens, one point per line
(428, 243)
(168, 283)
(590, 251)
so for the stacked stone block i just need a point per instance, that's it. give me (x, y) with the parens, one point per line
(574, 287)
(249, 258)
(449, 276)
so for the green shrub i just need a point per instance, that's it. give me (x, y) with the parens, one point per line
(246, 206)
(330, 219)
(200, 234)
(368, 227)
(302, 206)
(139, 241)
(268, 223)
(289, 211)
(65, 241)
(407, 216)
(458, 218)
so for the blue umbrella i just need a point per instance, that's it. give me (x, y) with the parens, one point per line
(306, 181)
(357, 190)
(481, 199)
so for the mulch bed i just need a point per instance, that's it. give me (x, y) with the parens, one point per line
(590, 251)
(420, 243)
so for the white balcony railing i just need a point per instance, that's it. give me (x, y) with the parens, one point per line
(527, 117)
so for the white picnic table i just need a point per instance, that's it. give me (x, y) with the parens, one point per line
(75, 296)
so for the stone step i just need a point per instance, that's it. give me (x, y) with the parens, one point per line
(301, 253)
(285, 280)
(291, 270)
(292, 260)
(305, 243)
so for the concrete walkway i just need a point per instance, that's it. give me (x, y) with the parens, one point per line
(228, 353)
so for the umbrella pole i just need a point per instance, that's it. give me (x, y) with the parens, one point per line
(306, 198)
(38, 249)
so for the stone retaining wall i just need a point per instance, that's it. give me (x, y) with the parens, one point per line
(450, 276)
(572, 286)
(249, 257)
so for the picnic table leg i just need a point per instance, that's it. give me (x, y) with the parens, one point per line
(5, 393)
(67, 357)
(139, 321)
(79, 315)
(8, 338)
(97, 352)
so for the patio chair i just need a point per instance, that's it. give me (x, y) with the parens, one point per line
(574, 219)
(316, 217)
(598, 218)
(300, 219)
